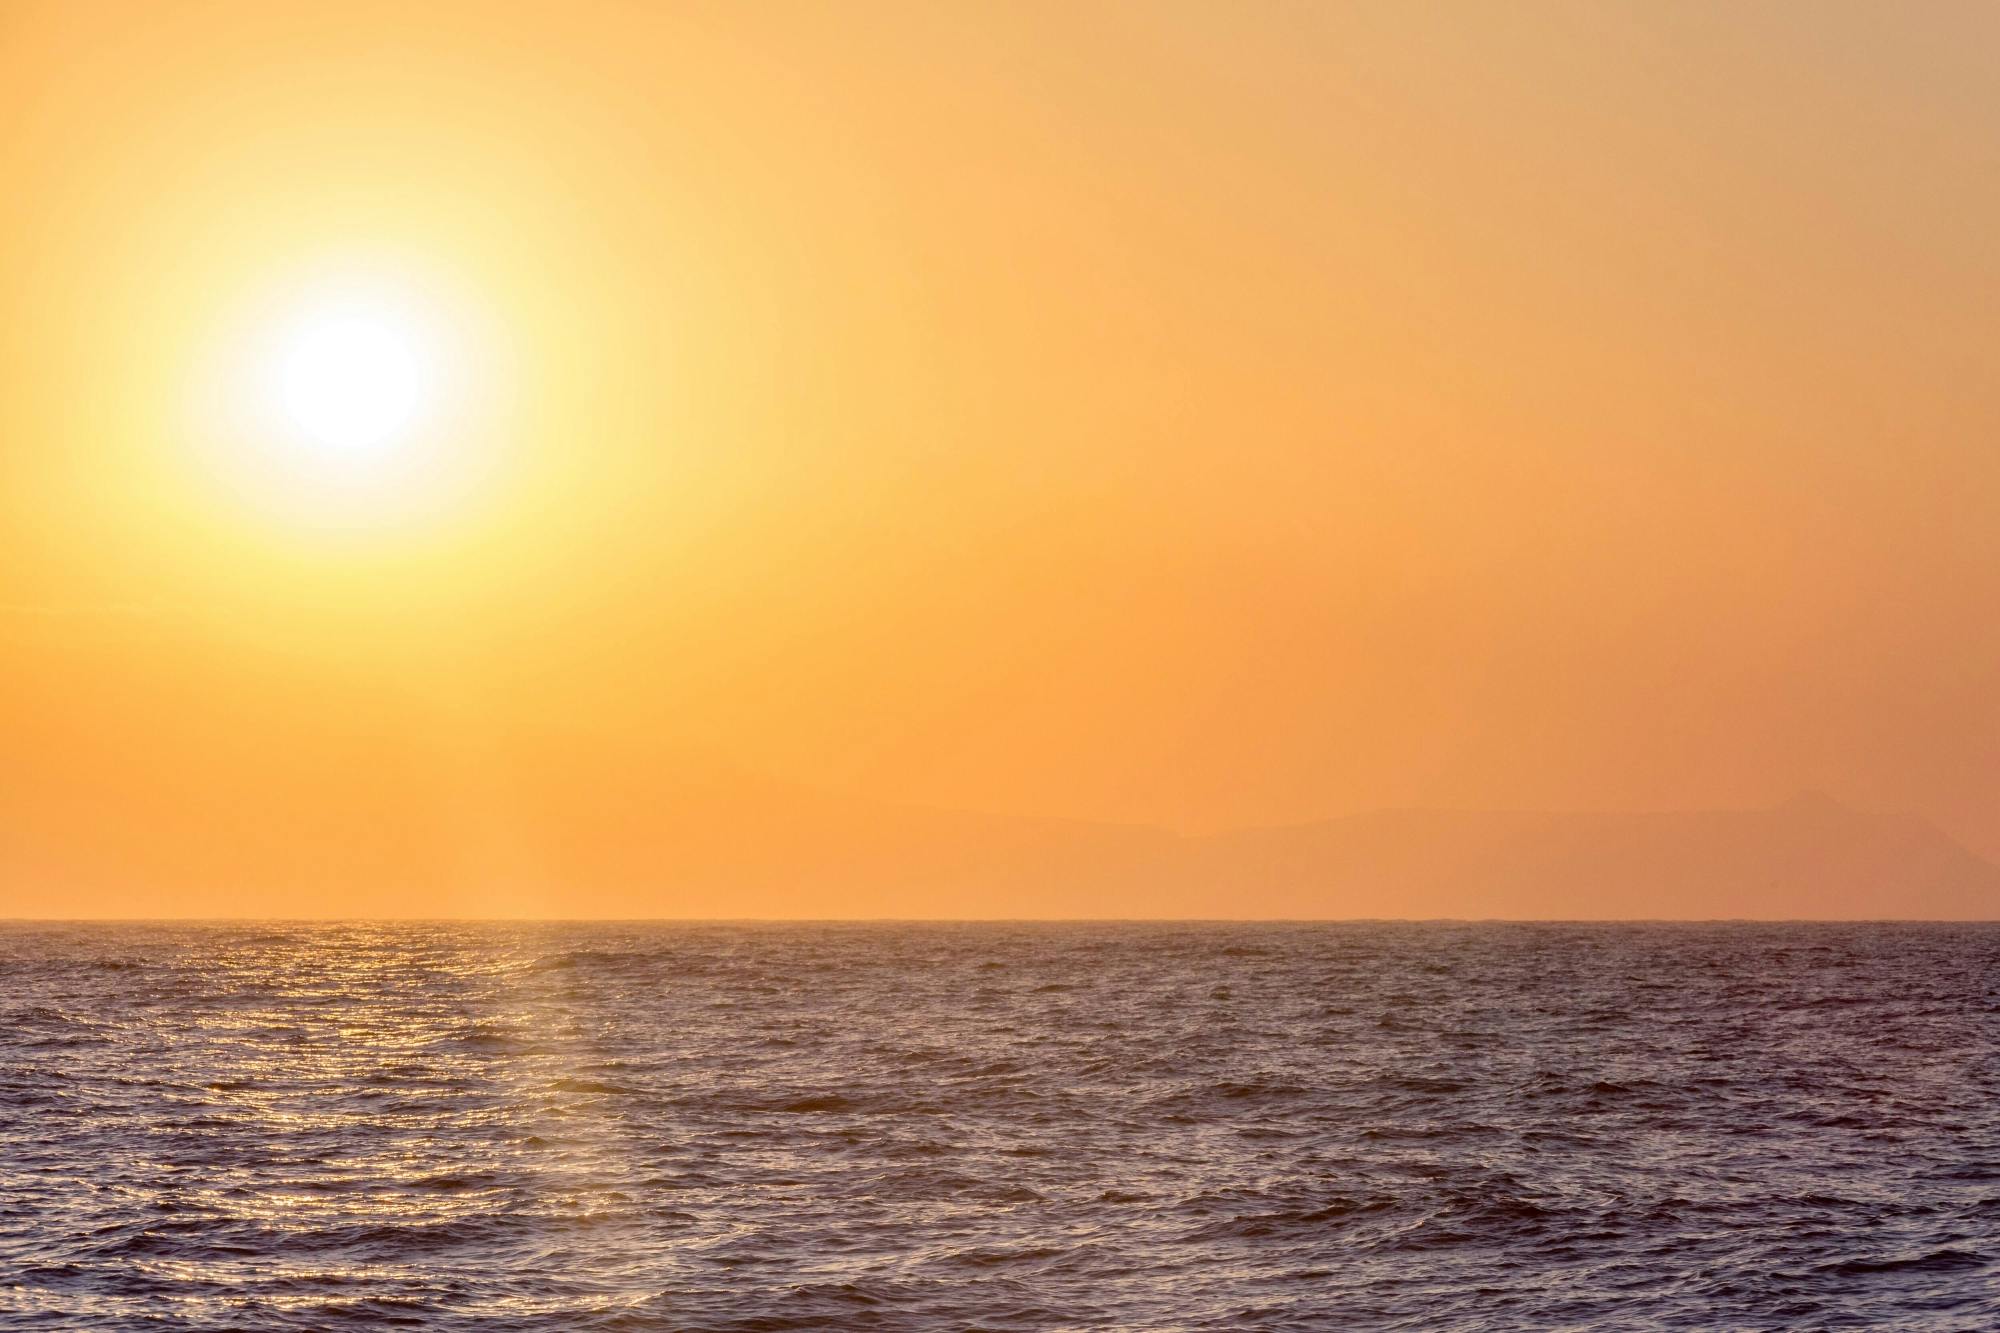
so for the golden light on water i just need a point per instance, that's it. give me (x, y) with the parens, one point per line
(939, 664)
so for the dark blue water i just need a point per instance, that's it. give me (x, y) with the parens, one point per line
(999, 1127)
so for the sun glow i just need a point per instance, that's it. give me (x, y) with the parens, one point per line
(356, 380)
(354, 401)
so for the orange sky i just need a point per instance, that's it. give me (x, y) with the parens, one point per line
(1192, 414)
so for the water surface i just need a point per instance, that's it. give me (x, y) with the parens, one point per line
(690, 1127)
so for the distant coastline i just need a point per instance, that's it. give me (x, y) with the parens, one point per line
(746, 849)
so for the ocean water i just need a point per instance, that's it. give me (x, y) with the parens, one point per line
(1010, 1126)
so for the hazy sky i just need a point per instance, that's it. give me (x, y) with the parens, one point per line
(1198, 414)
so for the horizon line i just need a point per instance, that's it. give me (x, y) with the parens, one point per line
(995, 920)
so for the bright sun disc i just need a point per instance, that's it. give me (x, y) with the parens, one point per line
(353, 380)
(352, 404)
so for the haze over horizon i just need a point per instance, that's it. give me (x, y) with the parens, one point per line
(684, 842)
(1173, 415)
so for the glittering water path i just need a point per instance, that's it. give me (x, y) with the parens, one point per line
(999, 1126)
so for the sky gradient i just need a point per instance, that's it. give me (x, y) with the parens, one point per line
(1188, 415)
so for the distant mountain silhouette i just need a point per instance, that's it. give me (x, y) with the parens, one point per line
(750, 846)
(1808, 858)
(281, 828)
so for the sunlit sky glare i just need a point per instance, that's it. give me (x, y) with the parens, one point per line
(353, 381)
(1182, 413)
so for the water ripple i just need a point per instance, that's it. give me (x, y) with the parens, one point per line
(738, 1127)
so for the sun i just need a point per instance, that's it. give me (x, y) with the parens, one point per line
(355, 378)
(356, 399)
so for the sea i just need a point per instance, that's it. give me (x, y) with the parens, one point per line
(1004, 1126)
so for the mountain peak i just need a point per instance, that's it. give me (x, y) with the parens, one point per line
(1816, 802)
